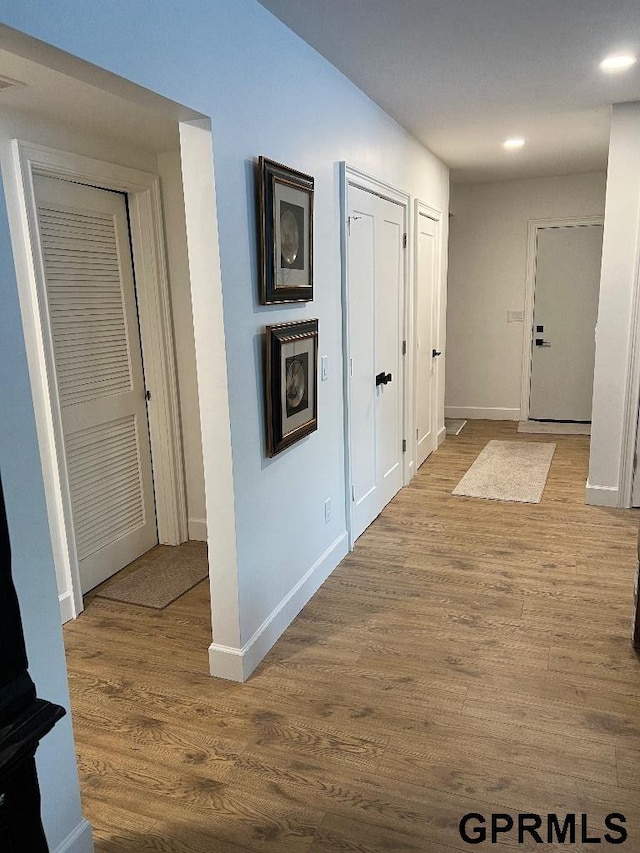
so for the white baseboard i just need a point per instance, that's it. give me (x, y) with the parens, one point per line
(198, 529)
(478, 413)
(79, 841)
(602, 495)
(238, 664)
(66, 607)
(442, 434)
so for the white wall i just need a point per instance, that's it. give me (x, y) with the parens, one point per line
(180, 284)
(487, 273)
(267, 93)
(615, 396)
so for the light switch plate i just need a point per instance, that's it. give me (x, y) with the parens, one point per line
(515, 316)
(324, 368)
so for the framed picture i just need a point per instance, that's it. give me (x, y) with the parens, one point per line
(292, 383)
(286, 234)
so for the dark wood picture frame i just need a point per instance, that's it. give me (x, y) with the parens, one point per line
(291, 383)
(286, 233)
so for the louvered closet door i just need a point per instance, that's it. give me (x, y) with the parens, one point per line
(84, 238)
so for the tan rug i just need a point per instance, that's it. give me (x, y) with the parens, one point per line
(554, 428)
(509, 471)
(160, 576)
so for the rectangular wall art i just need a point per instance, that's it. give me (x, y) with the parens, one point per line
(291, 383)
(286, 234)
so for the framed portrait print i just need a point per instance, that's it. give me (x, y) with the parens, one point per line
(291, 383)
(286, 234)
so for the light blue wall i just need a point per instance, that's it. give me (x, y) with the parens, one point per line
(33, 568)
(267, 93)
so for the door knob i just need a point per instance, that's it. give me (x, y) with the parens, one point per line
(383, 378)
(435, 353)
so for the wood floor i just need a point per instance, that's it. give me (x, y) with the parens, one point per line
(469, 656)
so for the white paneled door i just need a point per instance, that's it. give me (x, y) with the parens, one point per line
(93, 320)
(376, 370)
(426, 354)
(567, 287)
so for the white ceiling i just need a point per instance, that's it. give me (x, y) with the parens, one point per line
(64, 99)
(463, 75)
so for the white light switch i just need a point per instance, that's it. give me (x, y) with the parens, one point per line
(515, 316)
(324, 368)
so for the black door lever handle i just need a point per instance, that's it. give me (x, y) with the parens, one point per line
(383, 378)
(435, 353)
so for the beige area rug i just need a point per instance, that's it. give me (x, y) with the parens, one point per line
(454, 426)
(160, 576)
(509, 471)
(554, 428)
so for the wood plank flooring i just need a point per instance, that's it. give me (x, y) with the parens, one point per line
(469, 656)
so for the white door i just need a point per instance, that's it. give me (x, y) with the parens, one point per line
(86, 253)
(564, 322)
(426, 355)
(376, 322)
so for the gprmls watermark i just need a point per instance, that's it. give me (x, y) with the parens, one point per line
(563, 829)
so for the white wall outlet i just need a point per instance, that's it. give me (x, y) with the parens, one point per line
(327, 511)
(324, 368)
(515, 316)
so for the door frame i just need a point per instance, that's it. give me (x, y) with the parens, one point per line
(421, 208)
(350, 176)
(156, 334)
(536, 225)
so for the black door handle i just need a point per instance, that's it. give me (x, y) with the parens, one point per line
(540, 342)
(383, 378)
(435, 353)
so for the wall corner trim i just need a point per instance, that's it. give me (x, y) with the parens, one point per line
(198, 529)
(602, 495)
(237, 664)
(67, 609)
(78, 841)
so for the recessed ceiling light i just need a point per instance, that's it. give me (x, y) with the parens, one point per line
(514, 142)
(618, 62)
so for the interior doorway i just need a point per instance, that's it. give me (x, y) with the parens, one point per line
(375, 309)
(426, 313)
(85, 246)
(560, 318)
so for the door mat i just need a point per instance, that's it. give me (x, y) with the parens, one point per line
(160, 576)
(509, 471)
(554, 427)
(454, 426)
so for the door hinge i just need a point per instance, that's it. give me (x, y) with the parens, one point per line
(404, 241)
(353, 493)
(147, 395)
(404, 347)
(404, 445)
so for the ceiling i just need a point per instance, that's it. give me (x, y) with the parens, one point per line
(65, 100)
(463, 75)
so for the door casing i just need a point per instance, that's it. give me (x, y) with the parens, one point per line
(156, 333)
(349, 176)
(529, 296)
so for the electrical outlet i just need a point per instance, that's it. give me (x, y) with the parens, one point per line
(327, 511)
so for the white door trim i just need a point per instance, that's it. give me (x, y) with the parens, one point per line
(536, 225)
(421, 208)
(350, 176)
(156, 332)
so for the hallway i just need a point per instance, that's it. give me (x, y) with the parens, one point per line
(469, 656)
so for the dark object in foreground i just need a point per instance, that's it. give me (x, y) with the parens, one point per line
(24, 720)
